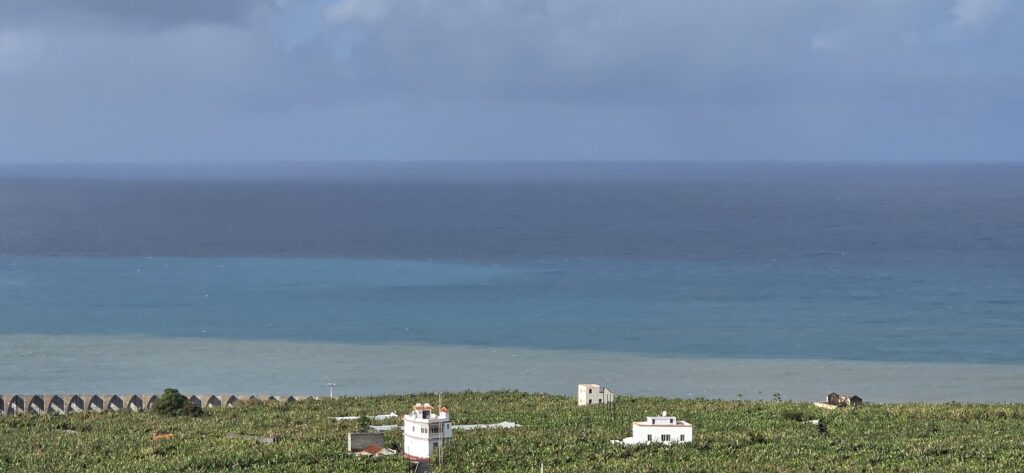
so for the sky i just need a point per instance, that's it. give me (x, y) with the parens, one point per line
(227, 81)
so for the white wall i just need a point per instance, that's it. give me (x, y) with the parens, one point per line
(640, 433)
(591, 395)
(420, 444)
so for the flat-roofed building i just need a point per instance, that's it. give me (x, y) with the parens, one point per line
(590, 394)
(664, 429)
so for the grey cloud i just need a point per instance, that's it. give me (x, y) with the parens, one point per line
(664, 49)
(510, 79)
(157, 13)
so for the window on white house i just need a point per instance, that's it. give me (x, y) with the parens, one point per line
(666, 437)
(590, 391)
(650, 437)
(682, 438)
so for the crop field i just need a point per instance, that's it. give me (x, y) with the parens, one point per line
(753, 436)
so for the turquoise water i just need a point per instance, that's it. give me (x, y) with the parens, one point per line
(141, 364)
(828, 309)
(891, 268)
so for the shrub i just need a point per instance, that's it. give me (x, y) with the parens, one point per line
(792, 415)
(173, 403)
(757, 437)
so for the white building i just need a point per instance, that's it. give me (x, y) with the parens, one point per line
(589, 394)
(660, 429)
(425, 431)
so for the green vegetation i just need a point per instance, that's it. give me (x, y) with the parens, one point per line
(173, 403)
(730, 436)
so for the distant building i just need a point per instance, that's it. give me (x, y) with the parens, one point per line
(359, 441)
(590, 394)
(425, 431)
(834, 400)
(663, 429)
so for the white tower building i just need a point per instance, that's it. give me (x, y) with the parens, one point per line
(425, 431)
(590, 394)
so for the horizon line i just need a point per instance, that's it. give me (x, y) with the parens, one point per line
(508, 162)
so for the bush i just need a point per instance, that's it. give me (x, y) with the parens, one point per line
(757, 437)
(792, 415)
(173, 403)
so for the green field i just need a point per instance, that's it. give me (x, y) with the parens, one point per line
(730, 436)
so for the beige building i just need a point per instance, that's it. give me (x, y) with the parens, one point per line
(836, 400)
(590, 394)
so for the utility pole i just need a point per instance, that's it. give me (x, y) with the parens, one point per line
(440, 449)
(331, 387)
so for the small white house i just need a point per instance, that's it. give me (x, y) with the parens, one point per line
(590, 394)
(425, 431)
(663, 429)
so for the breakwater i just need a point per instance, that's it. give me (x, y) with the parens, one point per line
(24, 404)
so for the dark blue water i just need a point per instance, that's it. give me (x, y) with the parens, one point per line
(862, 262)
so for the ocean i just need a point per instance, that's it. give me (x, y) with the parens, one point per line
(898, 282)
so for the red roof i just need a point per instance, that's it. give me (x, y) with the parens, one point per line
(373, 449)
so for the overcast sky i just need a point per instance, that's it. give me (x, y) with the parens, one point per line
(291, 80)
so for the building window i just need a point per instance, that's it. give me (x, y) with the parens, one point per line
(590, 391)
(666, 437)
(682, 438)
(590, 401)
(600, 401)
(601, 390)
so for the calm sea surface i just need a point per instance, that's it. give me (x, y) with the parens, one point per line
(860, 263)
